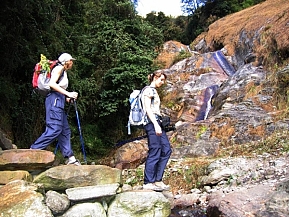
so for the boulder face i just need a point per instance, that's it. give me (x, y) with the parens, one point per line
(86, 209)
(69, 176)
(245, 186)
(130, 155)
(170, 51)
(19, 199)
(139, 204)
(9, 176)
(221, 205)
(28, 159)
(212, 104)
(56, 202)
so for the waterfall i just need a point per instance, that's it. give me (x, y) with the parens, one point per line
(224, 63)
(206, 106)
(211, 91)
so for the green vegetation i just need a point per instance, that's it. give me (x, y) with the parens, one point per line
(202, 130)
(134, 176)
(181, 56)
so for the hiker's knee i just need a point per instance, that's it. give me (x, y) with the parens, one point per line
(54, 129)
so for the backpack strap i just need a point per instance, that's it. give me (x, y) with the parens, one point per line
(154, 92)
(152, 101)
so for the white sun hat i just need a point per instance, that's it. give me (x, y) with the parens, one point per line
(65, 57)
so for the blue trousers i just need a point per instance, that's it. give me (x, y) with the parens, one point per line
(57, 126)
(158, 155)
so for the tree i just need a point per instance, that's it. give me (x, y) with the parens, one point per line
(223, 6)
(172, 28)
(190, 6)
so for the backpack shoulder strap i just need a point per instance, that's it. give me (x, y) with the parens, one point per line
(151, 88)
(154, 92)
(146, 88)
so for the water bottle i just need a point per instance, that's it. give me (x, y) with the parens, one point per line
(136, 114)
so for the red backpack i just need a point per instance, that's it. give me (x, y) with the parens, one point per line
(42, 75)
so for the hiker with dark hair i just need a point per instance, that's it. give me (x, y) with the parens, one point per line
(158, 143)
(57, 126)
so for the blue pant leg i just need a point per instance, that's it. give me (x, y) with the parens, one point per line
(153, 156)
(51, 131)
(64, 139)
(50, 134)
(165, 156)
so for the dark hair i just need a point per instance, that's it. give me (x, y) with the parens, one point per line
(157, 74)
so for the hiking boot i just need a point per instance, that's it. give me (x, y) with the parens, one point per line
(151, 186)
(76, 162)
(162, 185)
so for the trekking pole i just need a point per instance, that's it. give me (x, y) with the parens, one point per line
(67, 113)
(80, 134)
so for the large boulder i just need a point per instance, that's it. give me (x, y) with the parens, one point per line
(91, 192)
(85, 210)
(26, 159)
(130, 155)
(170, 51)
(250, 201)
(9, 176)
(244, 186)
(57, 202)
(71, 176)
(139, 204)
(20, 199)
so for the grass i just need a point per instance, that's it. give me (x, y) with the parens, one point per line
(202, 130)
(181, 56)
(277, 143)
(135, 176)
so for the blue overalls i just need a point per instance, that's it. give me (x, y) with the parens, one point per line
(158, 155)
(57, 126)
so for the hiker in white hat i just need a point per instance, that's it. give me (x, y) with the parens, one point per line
(57, 126)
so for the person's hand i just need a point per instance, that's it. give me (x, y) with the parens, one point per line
(158, 129)
(72, 95)
(69, 100)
